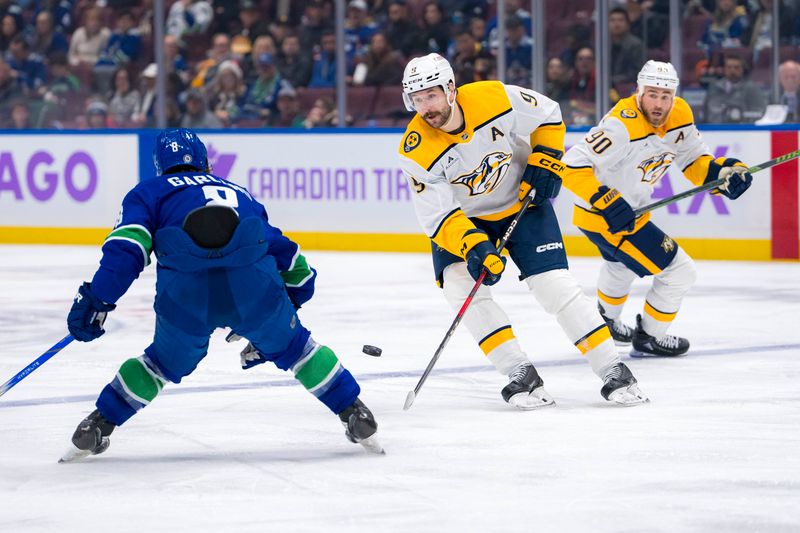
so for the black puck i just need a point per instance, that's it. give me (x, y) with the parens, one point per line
(374, 351)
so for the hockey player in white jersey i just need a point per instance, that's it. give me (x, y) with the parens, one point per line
(472, 155)
(613, 170)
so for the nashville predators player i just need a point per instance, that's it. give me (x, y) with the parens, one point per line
(471, 155)
(613, 170)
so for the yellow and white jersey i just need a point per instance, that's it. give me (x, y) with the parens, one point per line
(476, 172)
(625, 152)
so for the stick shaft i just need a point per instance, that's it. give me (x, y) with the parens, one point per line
(466, 303)
(713, 184)
(39, 361)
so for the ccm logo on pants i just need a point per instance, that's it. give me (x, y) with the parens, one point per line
(549, 246)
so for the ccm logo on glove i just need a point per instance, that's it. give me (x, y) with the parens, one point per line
(552, 164)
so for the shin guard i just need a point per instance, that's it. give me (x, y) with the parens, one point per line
(559, 294)
(485, 320)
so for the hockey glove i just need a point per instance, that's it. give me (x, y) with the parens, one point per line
(735, 173)
(249, 357)
(87, 315)
(543, 173)
(485, 255)
(617, 213)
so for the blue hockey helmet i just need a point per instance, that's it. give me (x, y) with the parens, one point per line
(179, 147)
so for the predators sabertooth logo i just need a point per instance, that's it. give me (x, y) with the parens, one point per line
(653, 169)
(487, 176)
(667, 244)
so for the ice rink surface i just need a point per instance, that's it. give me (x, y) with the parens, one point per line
(717, 449)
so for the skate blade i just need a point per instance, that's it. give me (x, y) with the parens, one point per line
(622, 343)
(536, 399)
(74, 454)
(628, 397)
(636, 354)
(372, 445)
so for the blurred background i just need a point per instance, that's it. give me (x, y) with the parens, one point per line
(305, 64)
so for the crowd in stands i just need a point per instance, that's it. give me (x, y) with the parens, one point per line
(89, 64)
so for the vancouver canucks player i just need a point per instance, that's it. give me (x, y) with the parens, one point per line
(220, 264)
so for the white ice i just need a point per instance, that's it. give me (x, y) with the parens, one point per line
(232, 450)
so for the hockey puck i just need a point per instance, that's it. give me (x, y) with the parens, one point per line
(374, 351)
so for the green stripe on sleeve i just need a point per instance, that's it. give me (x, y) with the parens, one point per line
(136, 234)
(298, 274)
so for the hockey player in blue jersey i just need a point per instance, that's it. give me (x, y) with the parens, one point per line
(220, 264)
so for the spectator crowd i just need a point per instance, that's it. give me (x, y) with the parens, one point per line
(89, 64)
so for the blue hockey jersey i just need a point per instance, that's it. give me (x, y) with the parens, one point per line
(159, 206)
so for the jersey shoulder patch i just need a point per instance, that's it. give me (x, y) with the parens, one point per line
(423, 144)
(411, 141)
(627, 112)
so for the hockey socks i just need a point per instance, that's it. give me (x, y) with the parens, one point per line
(136, 384)
(322, 374)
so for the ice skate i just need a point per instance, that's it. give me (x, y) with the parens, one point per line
(525, 390)
(620, 332)
(360, 427)
(645, 345)
(621, 387)
(90, 438)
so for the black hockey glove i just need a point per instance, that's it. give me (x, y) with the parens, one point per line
(543, 173)
(737, 177)
(485, 255)
(87, 315)
(617, 213)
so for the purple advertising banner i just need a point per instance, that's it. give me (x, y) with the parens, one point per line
(64, 180)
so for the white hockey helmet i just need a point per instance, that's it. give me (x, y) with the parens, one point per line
(658, 74)
(425, 72)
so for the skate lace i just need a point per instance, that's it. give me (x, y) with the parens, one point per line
(519, 373)
(614, 373)
(620, 327)
(668, 341)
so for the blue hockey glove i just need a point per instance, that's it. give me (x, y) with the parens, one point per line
(617, 213)
(543, 173)
(485, 255)
(735, 173)
(87, 315)
(249, 357)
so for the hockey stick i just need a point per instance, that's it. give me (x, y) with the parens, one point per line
(714, 184)
(412, 395)
(42, 359)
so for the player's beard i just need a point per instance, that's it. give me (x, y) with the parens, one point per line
(438, 119)
(656, 121)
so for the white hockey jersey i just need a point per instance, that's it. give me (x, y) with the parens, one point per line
(477, 172)
(625, 152)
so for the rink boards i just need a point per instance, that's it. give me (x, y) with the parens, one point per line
(345, 191)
